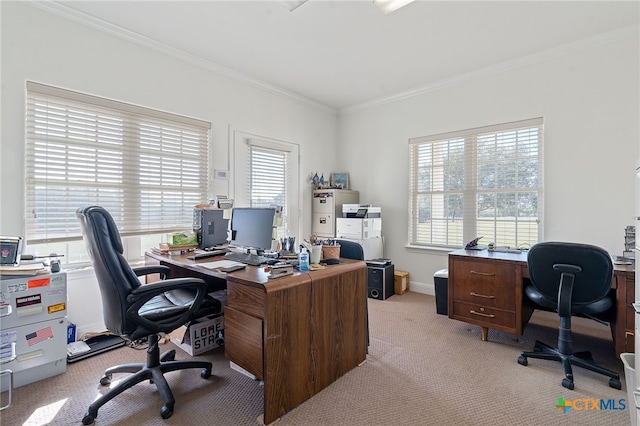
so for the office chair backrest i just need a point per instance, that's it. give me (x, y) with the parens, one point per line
(351, 250)
(591, 284)
(115, 277)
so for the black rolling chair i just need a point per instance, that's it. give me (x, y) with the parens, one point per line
(136, 311)
(351, 250)
(573, 279)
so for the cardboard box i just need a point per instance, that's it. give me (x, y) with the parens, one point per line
(400, 282)
(200, 335)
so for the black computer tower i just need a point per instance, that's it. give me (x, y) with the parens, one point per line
(211, 227)
(380, 282)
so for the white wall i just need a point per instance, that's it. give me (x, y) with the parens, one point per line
(590, 104)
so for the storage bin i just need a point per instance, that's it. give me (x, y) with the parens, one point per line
(441, 282)
(629, 361)
(330, 252)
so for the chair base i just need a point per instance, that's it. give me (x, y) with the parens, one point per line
(581, 359)
(153, 371)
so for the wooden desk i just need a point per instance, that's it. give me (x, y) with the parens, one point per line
(298, 333)
(487, 289)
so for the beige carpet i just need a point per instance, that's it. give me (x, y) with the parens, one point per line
(422, 369)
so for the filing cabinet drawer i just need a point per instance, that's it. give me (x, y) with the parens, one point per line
(484, 283)
(323, 224)
(484, 316)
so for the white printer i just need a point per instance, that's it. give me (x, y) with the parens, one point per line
(359, 221)
(362, 223)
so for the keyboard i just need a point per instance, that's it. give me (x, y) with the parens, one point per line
(247, 258)
(202, 254)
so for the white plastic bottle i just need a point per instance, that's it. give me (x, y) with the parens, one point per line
(303, 260)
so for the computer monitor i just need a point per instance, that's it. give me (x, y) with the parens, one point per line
(252, 228)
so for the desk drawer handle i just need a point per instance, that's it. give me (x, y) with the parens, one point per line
(482, 295)
(485, 274)
(481, 314)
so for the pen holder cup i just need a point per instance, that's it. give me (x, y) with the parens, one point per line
(315, 254)
(331, 252)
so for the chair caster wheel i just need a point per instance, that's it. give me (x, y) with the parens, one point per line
(522, 360)
(166, 411)
(105, 381)
(205, 374)
(88, 419)
(568, 383)
(615, 383)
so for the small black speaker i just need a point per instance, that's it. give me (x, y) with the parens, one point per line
(380, 282)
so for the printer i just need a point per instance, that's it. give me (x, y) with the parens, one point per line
(360, 211)
(359, 221)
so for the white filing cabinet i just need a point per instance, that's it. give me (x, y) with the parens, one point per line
(327, 207)
(33, 333)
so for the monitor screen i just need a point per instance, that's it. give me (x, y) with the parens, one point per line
(252, 228)
(10, 250)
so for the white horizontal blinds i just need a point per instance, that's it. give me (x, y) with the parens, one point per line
(478, 182)
(509, 185)
(269, 170)
(147, 168)
(437, 192)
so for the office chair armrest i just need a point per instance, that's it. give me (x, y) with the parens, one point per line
(148, 291)
(164, 271)
(141, 295)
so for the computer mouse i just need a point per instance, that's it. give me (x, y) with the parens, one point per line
(330, 261)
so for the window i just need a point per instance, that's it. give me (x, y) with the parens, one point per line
(147, 168)
(479, 182)
(270, 177)
(269, 182)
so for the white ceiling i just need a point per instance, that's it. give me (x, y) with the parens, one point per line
(346, 53)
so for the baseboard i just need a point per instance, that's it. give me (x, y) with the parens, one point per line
(422, 288)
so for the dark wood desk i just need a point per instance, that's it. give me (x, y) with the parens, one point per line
(487, 289)
(297, 334)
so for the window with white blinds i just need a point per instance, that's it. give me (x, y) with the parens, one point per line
(269, 170)
(147, 168)
(480, 182)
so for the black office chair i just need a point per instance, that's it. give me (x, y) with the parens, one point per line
(573, 279)
(137, 311)
(351, 250)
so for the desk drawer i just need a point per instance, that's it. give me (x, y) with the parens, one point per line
(251, 300)
(483, 316)
(484, 283)
(244, 341)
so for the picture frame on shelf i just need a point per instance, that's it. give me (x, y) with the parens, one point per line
(340, 180)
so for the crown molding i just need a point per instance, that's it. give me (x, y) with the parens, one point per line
(131, 36)
(565, 49)
(71, 14)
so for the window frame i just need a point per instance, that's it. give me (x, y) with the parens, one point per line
(242, 144)
(149, 168)
(468, 188)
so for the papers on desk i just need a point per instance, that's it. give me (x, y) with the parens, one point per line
(220, 264)
(24, 269)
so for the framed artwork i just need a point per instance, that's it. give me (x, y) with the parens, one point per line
(340, 180)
